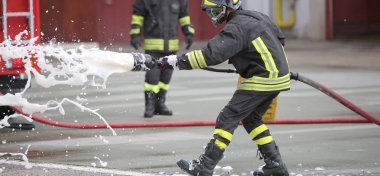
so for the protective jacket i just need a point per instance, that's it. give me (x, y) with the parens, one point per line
(160, 19)
(254, 45)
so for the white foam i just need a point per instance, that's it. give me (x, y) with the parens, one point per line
(62, 67)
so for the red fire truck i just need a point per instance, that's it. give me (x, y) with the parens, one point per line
(17, 16)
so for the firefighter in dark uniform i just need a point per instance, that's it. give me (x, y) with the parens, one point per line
(254, 45)
(160, 20)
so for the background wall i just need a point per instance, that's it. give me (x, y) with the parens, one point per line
(108, 21)
(326, 19)
(310, 16)
(104, 21)
(353, 17)
(68, 20)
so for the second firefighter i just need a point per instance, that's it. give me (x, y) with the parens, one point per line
(159, 21)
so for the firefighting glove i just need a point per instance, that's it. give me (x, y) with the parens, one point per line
(189, 41)
(135, 41)
(168, 62)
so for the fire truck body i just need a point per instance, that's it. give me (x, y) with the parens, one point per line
(16, 17)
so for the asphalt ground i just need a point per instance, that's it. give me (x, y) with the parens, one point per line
(351, 68)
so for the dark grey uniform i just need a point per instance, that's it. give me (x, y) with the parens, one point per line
(254, 45)
(159, 20)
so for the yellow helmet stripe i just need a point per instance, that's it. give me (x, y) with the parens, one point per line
(207, 2)
(235, 1)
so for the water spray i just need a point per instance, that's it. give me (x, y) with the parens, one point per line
(65, 67)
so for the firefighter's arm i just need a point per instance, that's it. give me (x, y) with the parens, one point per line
(226, 44)
(137, 22)
(230, 41)
(185, 23)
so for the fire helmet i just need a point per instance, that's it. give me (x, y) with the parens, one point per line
(217, 9)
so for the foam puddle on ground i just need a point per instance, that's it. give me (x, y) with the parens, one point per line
(74, 67)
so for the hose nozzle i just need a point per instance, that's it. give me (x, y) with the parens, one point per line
(143, 62)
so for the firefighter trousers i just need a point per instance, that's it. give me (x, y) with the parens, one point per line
(156, 75)
(247, 107)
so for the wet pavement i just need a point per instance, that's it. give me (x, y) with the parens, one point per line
(351, 68)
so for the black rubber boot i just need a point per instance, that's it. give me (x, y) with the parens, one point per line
(161, 108)
(274, 166)
(204, 166)
(150, 104)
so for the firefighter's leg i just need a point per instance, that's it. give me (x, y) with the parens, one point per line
(161, 107)
(151, 88)
(241, 105)
(267, 147)
(205, 164)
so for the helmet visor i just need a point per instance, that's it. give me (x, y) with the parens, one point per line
(217, 14)
(215, 11)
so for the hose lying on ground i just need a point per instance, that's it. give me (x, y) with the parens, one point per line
(368, 117)
(336, 96)
(182, 123)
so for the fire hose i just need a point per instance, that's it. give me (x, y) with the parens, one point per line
(295, 76)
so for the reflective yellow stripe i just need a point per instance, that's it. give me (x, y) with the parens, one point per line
(271, 60)
(158, 44)
(192, 61)
(264, 140)
(137, 19)
(261, 80)
(191, 30)
(266, 84)
(224, 134)
(196, 59)
(184, 21)
(134, 31)
(163, 86)
(220, 144)
(266, 56)
(174, 45)
(265, 88)
(201, 60)
(151, 87)
(154, 44)
(258, 131)
(286, 57)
